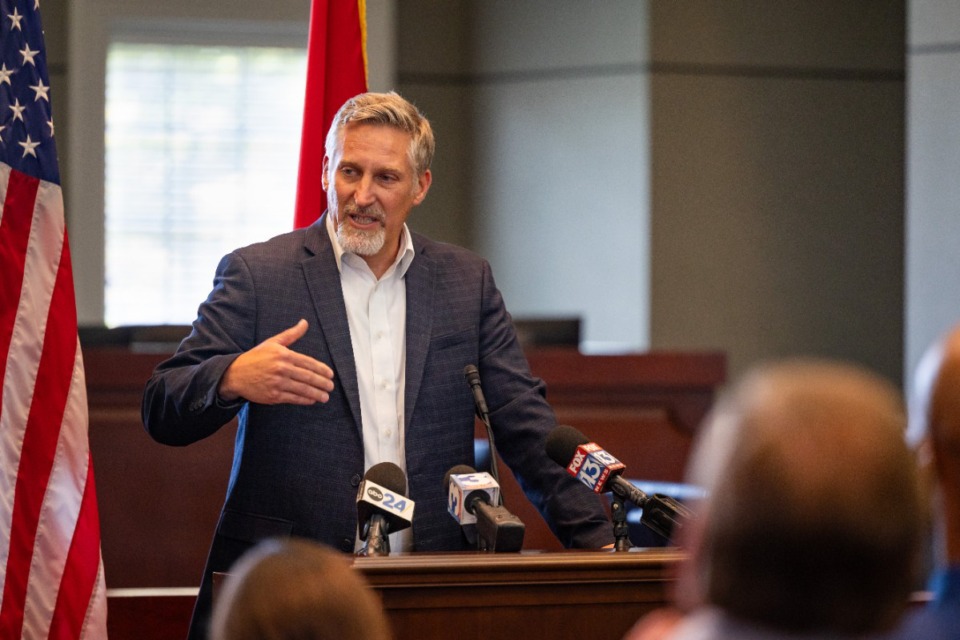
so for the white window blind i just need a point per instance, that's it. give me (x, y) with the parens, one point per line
(202, 148)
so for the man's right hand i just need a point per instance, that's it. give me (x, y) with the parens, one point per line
(271, 373)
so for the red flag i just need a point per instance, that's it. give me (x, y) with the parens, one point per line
(52, 573)
(336, 71)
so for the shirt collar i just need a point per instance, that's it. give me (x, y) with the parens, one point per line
(404, 256)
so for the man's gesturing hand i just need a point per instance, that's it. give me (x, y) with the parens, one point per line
(270, 373)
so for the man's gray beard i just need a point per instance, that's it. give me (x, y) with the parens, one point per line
(359, 242)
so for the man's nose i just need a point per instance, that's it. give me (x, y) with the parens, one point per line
(363, 195)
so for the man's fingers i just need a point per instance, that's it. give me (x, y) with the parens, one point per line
(288, 336)
(294, 392)
(310, 370)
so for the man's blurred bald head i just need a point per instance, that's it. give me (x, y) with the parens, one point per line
(813, 519)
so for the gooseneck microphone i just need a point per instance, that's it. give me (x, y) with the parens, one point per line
(382, 507)
(472, 500)
(600, 471)
(473, 379)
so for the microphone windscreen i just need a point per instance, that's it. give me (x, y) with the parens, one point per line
(562, 443)
(460, 469)
(389, 476)
(472, 374)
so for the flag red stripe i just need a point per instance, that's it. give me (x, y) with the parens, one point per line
(14, 236)
(335, 73)
(39, 446)
(80, 573)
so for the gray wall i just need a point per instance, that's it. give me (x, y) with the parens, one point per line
(543, 138)
(933, 163)
(777, 153)
(684, 174)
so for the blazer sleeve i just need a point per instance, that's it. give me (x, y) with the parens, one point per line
(521, 419)
(180, 402)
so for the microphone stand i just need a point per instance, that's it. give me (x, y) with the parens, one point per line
(378, 544)
(618, 513)
(473, 378)
(485, 418)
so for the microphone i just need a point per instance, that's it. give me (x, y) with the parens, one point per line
(473, 379)
(382, 507)
(472, 499)
(589, 463)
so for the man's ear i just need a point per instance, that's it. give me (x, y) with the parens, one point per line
(423, 185)
(324, 178)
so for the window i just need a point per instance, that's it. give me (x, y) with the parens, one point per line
(202, 149)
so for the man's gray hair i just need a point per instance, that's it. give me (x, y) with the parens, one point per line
(388, 109)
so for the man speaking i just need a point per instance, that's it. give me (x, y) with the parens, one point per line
(343, 345)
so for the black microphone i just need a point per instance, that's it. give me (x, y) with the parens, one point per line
(473, 379)
(600, 471)
(472, 499)
(382, 507)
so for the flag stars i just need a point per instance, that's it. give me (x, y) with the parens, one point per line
(18, 110)
(28, 55)
(15, 19)
(29, 147)
(5, 74)
(41, 90)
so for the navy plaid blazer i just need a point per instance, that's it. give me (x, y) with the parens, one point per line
(296, 469)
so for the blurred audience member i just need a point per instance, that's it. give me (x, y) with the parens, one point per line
(295, 589)
(813, 519)
(935, 433)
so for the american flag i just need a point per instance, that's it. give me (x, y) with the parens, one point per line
(52, 573)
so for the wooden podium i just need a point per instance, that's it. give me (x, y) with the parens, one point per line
(478, 596)
(567, 594)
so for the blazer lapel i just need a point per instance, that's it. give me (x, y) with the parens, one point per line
(323, 282)
(420, 285)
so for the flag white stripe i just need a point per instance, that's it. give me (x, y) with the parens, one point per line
(60, 511)
(95, 622)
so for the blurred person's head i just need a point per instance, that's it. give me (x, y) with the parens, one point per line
(934, 431)
(813, 515)
(294, 589)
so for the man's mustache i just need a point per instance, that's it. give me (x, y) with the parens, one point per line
(372, 211)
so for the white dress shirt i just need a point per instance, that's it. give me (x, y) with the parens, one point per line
(377, 315)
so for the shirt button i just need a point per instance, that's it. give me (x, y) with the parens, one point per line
(388, 433)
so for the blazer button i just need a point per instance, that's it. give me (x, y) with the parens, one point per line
(346, 545)
(355, 480)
